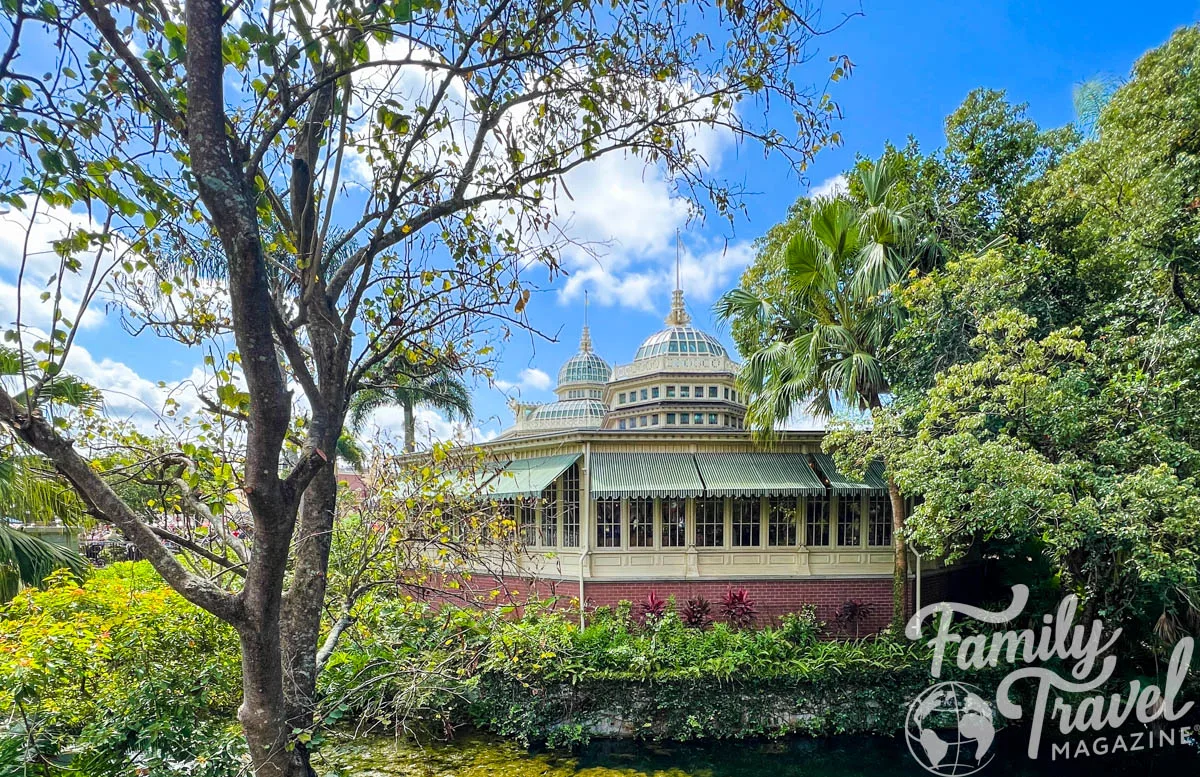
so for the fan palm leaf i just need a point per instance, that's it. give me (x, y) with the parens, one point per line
(28, 560)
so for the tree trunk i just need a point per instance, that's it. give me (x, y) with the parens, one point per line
(301, 623)
(410, 428)
(262, 712)
(900, 547)
(900, 572)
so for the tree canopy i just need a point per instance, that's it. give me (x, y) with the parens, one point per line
(311, 191)
(1042, 382)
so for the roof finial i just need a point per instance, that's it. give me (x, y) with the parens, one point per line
(678, 258)
(585, 340)
(678, 315)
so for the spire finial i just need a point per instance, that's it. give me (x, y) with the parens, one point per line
(678, 315)
(678, 258)
(585, 340)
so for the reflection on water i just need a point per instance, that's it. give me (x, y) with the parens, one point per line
(481, 756)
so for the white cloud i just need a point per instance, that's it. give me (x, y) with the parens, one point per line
(708, 275)
(431, 427)
(27, 253)
(633, 289)
(620, 204)
(703, 276)
(529, 379)
(617, 215)
(830, 187)
(534, 378)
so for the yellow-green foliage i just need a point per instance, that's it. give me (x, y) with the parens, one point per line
(116, 666)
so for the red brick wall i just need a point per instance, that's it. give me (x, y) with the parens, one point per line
(772, 598)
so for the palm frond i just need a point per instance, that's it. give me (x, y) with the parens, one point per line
(741, 304)
(31, 493)
(364, 403)
(446, 392)
(12, 362)
(440, 389)
(71, 391)
(26, 559)
(837, 311)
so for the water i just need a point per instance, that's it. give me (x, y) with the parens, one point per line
(481, 756)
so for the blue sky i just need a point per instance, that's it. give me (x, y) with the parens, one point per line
(914, 63)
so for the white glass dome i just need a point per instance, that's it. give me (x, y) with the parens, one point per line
(570, 408)
(680, 340)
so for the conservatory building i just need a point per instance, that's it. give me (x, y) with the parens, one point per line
(643, 478)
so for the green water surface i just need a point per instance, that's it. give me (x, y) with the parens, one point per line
(481, 756)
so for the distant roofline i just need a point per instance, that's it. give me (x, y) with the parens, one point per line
(570, 436)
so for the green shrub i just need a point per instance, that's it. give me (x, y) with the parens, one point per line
(802, 627)
(541, 678)
(121, 673)
(404, 663)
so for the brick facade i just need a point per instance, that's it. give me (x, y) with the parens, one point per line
(772, 598)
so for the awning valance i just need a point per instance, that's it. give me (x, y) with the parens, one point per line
(644, 475)
(529, 477)
(757, 474)
(841, 484)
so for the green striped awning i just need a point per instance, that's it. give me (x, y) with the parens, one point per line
(644, 475)
(529, 477)
(757, 474)
(841, 484)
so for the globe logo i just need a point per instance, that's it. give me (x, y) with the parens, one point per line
(951, 707)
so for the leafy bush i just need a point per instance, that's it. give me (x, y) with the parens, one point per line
(803, 627)
(407, 664)
(654, 607)
(120, 672)
(738, 608)
(671, 681)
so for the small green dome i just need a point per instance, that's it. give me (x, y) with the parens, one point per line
(584, 367)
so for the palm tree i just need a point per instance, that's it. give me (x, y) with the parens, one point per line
(440, 389)
(30, 493)
(830, 322)
(27, 560)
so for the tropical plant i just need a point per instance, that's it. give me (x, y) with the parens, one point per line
(653, 608)
(440, 389)
(828, 323)
(737, 608)
(802, 627)
(57, 391)
(697, 613)
(30, 490)
(852, 613)
(29, 560)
